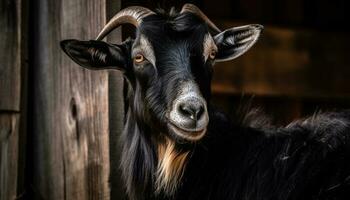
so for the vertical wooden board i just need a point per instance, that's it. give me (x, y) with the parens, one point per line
(10, 97)
(116, 120)
(116, 110)
(10, 55)
(23, 128)
(8, 155)
(71, 155)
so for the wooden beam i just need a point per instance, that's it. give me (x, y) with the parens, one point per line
(9, 124)
(11, 52)
(10, 55)
(71, 129)
(289, 62)
(116, 111)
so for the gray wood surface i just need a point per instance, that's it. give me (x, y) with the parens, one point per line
(116, 111)
(9, 123)
(10, 96)
(10, 55)
(71, 145)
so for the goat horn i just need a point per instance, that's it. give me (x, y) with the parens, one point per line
(188, 7)
(132, 15)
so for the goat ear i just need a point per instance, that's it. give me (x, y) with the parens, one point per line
(234, 42)
(96, 54)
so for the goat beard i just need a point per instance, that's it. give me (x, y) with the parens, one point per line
(170, 168)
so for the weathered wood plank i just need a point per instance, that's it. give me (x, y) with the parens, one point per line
(10, 54)
(116, 110)
(71, 146)
(289, 62)
(11, 62)
(9, 123)
(23, 126)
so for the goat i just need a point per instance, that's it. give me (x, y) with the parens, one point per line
(176, 145)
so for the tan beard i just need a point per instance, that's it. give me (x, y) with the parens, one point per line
(170, 169)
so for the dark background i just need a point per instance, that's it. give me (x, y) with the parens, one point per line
(60, 123)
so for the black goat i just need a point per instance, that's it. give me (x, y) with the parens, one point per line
(177, 146)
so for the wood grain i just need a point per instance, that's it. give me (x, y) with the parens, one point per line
(116, 111)
(71, 146)
(10, 97)
(10, 55)
(9, 124)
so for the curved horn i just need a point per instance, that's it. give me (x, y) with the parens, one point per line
(195, 10)
(132, 15)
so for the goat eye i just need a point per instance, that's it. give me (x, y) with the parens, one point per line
(139, 58)
(212, 54)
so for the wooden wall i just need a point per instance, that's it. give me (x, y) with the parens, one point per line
(70, 130)
(55, 136)
(11, 63)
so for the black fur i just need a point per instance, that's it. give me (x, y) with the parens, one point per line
(240, 158)
(309, 159)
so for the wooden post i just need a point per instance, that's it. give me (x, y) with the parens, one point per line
(10, 51)
(9, 123)
(116, 110)
(10, 96)
(70, 126)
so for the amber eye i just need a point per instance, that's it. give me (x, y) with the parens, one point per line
(212, 54)
(139, 58)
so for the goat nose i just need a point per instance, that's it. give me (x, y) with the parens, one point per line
(192, 110)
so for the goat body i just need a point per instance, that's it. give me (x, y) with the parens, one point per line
(308, 159)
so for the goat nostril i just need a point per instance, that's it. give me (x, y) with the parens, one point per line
(200, 112)
(186, 110)
(191, 111)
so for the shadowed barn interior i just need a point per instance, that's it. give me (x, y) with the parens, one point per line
(59, 123)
